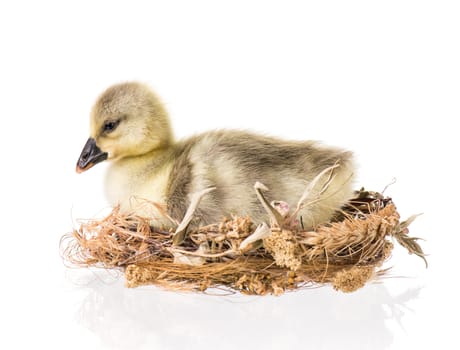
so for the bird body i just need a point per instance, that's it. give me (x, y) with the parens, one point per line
(130, 127)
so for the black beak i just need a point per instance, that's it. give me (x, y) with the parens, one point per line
(91, 155)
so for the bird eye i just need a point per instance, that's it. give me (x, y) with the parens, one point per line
(110, 126)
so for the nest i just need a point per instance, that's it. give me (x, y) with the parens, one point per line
(237, 255)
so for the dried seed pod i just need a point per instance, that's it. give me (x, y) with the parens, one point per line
(233, 235)
(220, 238)
(199, 237)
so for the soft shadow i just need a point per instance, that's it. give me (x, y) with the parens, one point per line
(317, 318)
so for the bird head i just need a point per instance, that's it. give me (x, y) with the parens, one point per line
(127, 120)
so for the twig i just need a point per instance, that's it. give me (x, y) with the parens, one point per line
(306, 194)
(179, 235)
(313, 183)
(200, 254)
(393, 181)
(410, 243)
(275, 216)
(261, 232)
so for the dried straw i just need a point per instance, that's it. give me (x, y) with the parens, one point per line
(238, 256)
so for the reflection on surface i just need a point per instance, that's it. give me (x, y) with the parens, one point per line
(317, 318)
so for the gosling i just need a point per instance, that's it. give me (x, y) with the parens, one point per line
(130, 127)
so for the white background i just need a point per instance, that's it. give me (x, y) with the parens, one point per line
(381, 78)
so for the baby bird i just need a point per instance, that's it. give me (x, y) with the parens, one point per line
(130, 127)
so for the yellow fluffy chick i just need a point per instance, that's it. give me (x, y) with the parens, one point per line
(130, 127)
